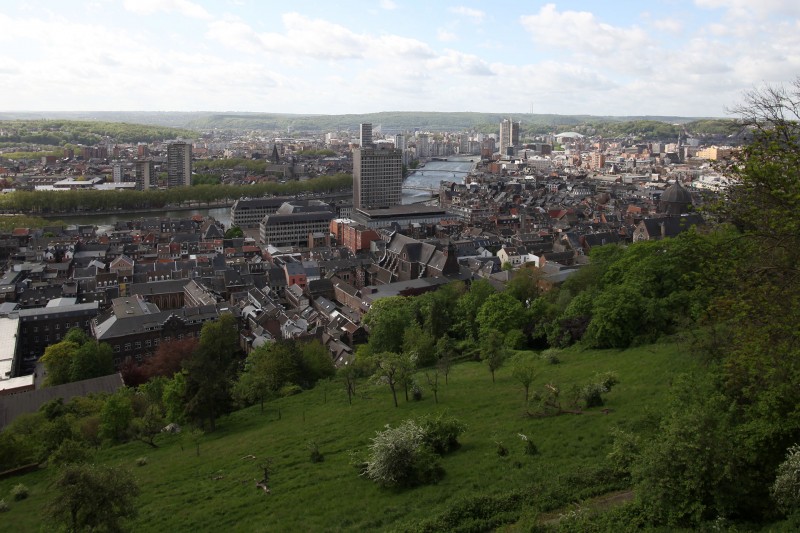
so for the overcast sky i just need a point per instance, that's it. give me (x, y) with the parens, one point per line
(668, 57)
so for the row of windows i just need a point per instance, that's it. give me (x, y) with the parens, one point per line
(151, 343)
(57, 326)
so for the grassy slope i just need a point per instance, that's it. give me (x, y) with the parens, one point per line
(180, 492)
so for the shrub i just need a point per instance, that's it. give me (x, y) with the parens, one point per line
(416, 392)
(592, 393)
(530, 447)
(20, 492)
(4, 508)
(502, 450)
(441, 433)
(551, 356)
(624, 451)
(69, 452)
(786, 488)
(290, 390)
(141, 461)
(399, 457)
(315, 455)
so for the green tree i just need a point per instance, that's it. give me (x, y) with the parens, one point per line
(257, 382)
(392, 370)
(92, 498)
(493, 350)
(524, 370)
(57, 360)
(470, 304)
(116, 416)
(419, 345)
(386, 320)
(446, 352)
(211, 369)
(91, 360)
(501, 312)
(234, 232)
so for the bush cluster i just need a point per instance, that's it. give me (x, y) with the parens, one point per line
(408, 455)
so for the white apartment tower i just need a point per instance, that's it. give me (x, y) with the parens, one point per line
(377, 178)
(509, 135)
(179, 164)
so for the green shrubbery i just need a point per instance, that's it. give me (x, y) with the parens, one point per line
(408, 454)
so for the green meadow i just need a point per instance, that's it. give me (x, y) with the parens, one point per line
(216, 490)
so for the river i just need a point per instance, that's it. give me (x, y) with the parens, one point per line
(434, 172)
(454, 169)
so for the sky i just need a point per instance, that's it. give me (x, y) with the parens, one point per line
(667, 57)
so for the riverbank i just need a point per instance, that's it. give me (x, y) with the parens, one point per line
(182, 207)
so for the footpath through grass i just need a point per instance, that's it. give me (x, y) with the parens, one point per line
(181, 491)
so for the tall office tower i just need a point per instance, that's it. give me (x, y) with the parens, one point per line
(377, 178)
(400, 144)
(179, 164)
(365, 138)
(144, 174)
(423, 145)
(509, 136)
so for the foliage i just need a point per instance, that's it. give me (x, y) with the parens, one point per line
(393, 369)
(625, 449)
(116, 416)
(786, 488)
(234, 232)
(70, 451)
(385, 319)
(420, 345)
(493, 351)
(441, 432)
(4, 508)
(89, 497)
(20, 492)
(592, 393)
(524, 369)
(470, 304)
(399, 457)
(211, 369)
(75, 358)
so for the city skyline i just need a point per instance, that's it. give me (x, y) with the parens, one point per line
(680, 58)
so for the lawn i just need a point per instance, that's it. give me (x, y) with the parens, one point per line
(182, 491)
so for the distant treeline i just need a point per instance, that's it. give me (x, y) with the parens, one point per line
(47, 202)
(61, 132)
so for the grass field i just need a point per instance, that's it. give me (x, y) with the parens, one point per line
(181, 491)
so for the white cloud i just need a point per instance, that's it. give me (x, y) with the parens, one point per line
(445, 36)
(182, 7)
(475, 14)
(388, 5)
(457, 63)
(315, 38)
(582, 31)
(669, 25)
(745, 9)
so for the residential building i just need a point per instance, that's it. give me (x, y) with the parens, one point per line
(179, 164)
(292, 224)
(509, 136)
(144, 174)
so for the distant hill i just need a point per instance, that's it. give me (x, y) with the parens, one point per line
(390, 121)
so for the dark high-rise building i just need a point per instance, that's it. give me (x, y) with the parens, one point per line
(377, 177)
(179, 164)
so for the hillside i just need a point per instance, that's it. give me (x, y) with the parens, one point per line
(215, 490)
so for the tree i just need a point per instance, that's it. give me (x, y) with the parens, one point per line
(786, 488)
(446, 351)
(257, 382)
(211, 369)
(57, 360)
(501, 312)
(92, 498)
(169, 356)
(116, 416)
(469, 305)
(524, 286)
(420, 345)
(315, 362)
(524, 370)
(385, 321)
(91, 360)
(234, 232)
(493, 350)
(393, 368)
